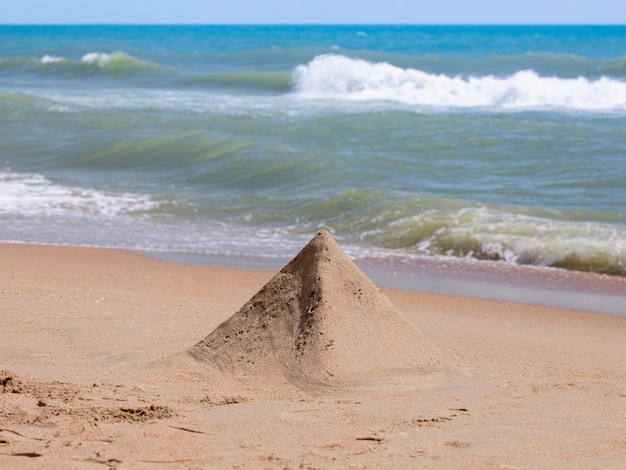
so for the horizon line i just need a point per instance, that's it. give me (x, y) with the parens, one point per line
(547, 24)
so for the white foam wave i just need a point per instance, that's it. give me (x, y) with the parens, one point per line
(105, 60)
(333, 76)
(31, 194)
(49, 59)
(100, 59)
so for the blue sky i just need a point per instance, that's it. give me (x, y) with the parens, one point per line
(314, 11)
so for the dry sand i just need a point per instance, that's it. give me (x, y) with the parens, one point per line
(94, 374)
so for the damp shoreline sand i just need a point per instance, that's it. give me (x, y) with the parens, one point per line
(552, 287)
(83, 384)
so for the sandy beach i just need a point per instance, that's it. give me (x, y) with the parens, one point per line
(94, 374)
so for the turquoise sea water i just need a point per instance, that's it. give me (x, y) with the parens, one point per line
(487, 143)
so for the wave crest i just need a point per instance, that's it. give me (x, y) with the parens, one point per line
(116, 61)
(334, 77)
(494, 234)
(93, 63)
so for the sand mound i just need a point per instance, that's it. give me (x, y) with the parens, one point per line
(320, 320)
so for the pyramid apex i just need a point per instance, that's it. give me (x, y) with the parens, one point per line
(323, 233)
(322, 247)
(323, 237)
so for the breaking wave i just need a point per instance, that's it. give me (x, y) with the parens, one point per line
(336, 77)
(33, 195)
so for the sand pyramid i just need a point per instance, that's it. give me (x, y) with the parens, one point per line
(320, 320)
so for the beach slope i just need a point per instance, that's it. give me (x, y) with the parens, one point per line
(91, 375)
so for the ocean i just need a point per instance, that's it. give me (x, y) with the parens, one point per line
(411, 144)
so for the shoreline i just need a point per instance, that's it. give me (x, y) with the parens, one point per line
(550, 287)
(489, 280)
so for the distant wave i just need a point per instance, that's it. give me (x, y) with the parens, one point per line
(336, 77)
(48, 59)
(114, 63)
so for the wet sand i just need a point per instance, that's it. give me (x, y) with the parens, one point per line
(92, 377)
